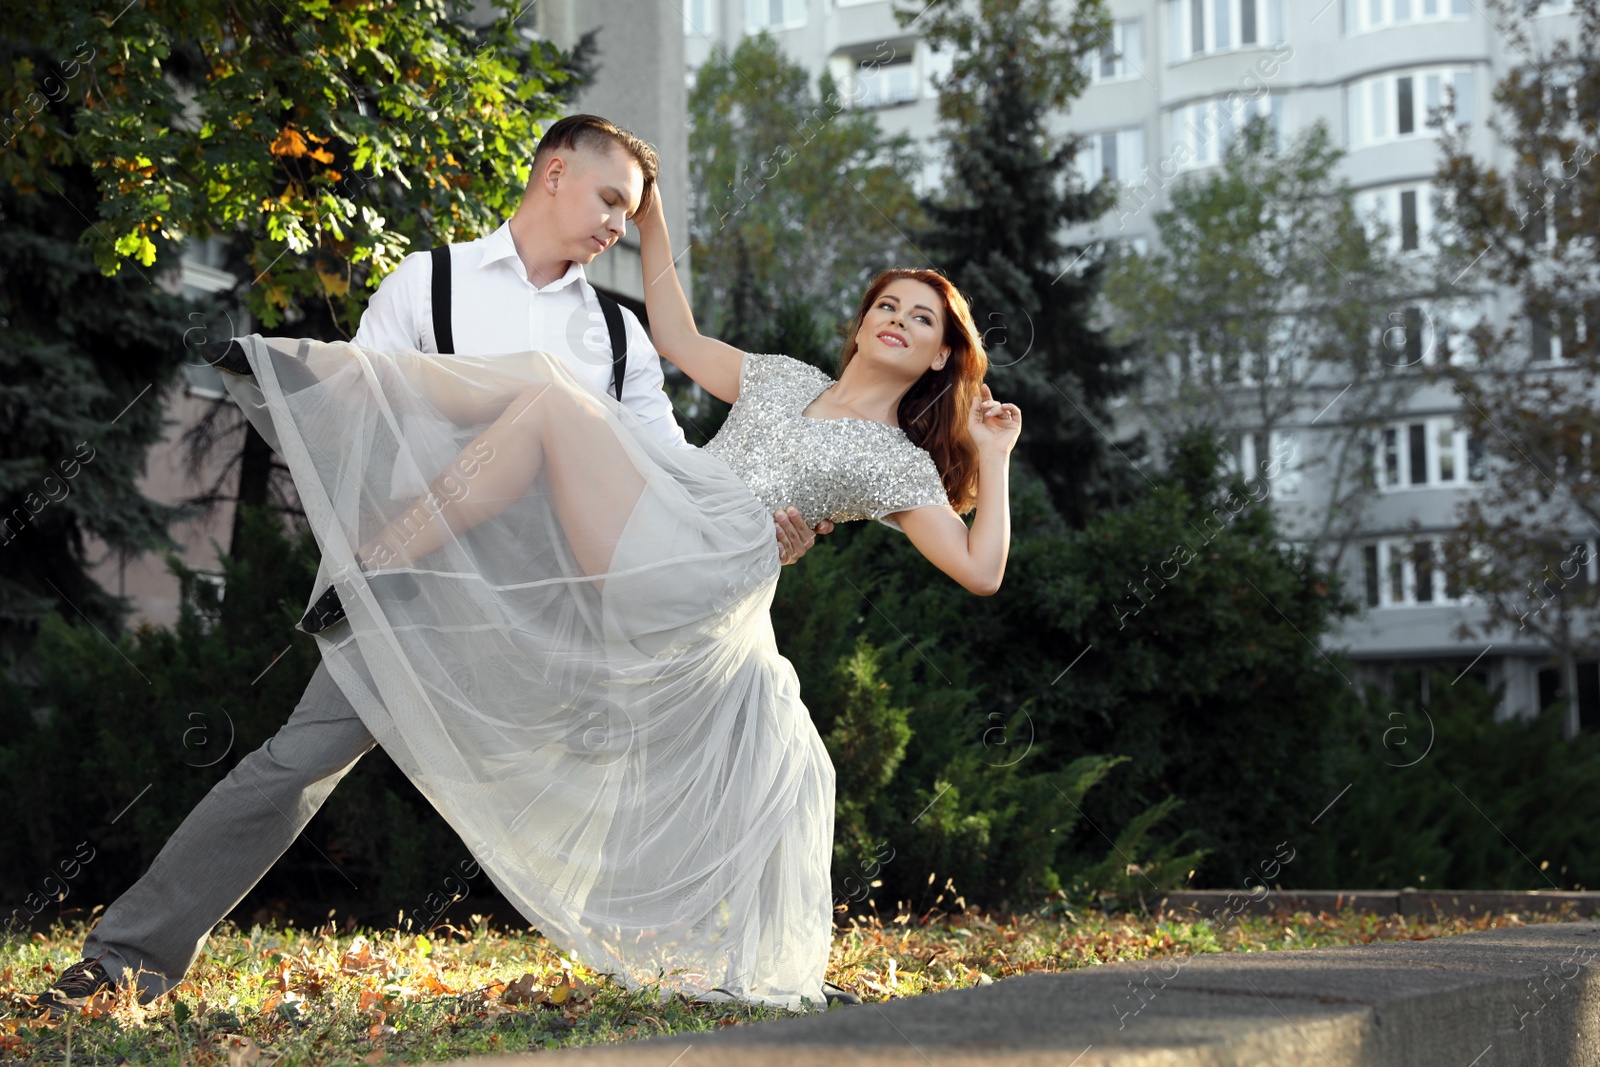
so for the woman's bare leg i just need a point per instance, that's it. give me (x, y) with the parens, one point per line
(463, 389)
(500, 465)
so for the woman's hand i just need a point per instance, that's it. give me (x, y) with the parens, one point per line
(994, 426)
(649, 213)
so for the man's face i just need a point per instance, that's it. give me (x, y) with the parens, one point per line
(595, 193)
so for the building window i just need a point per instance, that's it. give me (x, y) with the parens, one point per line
(1405, 212)
(1393, 107)
(1274, 459)
(1582, 458)
(1116, 155)
(1200, 27)
(217, 580)
(1412, 336)
(1397, 572)
(1554, 336)
(1431, 452)
(883, 84)
(773, 14)
(698, 16)
(1240, 367)
(1122, 56)
(1363, 16)
(1202, 132)
(880, 75)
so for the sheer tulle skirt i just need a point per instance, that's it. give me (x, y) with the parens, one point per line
(618, 742)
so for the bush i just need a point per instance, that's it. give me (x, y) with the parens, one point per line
(1443, 796)
(127, 735)
(1019, 703)
(1061, 740)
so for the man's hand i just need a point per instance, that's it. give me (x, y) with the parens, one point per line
(794, 539)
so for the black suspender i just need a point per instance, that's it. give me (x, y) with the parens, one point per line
(619, 340)
(444, 336)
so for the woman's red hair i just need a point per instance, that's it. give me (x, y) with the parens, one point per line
(934, 411)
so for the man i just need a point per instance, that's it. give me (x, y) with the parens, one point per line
(520, 288)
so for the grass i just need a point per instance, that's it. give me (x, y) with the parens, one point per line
(284, 996)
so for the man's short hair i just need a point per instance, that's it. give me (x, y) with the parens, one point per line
(591, 132)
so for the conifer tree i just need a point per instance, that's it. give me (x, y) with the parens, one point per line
(84, 360)
(998, 231)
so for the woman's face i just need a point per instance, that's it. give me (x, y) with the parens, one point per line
(904, 328)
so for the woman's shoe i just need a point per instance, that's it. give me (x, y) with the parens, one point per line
(234, 361)
(329, 609)
(293, 374)
(838, 994)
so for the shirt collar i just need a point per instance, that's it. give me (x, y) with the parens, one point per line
(499, 245)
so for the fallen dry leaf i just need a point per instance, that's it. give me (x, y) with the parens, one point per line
(359, 959)
(429, 983)
(524, 990)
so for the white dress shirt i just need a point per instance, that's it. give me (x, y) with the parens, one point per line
(496, 309)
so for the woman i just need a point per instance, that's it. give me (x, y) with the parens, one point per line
(567, 642)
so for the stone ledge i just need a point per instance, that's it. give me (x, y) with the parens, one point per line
(1503, 998)
(1193, 905)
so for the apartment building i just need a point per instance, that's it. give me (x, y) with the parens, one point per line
(1170, 84)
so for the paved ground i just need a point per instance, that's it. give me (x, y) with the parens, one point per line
(1505, 998)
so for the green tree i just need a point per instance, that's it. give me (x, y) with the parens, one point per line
(998, 230)
(1527, 231)
(1265, 299)
(84, 365)
(316, 143)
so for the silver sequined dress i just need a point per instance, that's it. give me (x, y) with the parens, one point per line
(623, 749)
(838, 469)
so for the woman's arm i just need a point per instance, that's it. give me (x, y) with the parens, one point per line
(712, 364)
(974, 556)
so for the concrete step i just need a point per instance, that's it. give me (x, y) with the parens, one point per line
(1193, 905)
(1503, 998)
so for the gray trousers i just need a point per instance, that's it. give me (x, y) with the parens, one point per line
(229, 841)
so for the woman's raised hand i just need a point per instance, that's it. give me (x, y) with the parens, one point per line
(645, 220)
(994, 426)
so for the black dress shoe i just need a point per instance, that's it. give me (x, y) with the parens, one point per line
(329, 609)
(837, 994)
(233, 360)
(72, 990)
